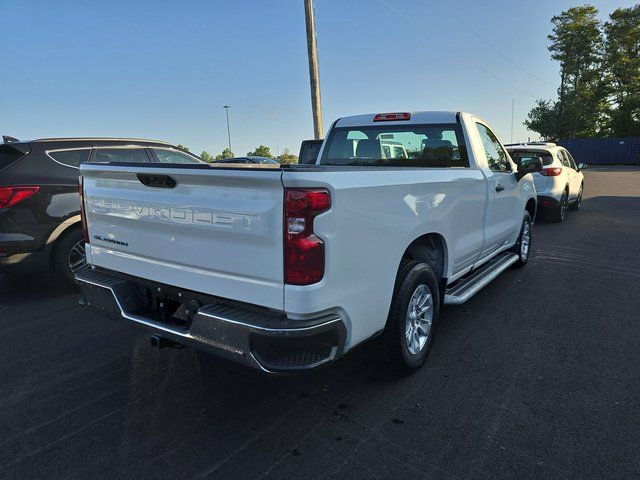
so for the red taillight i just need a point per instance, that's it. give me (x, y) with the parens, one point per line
(83, 215)
(551, 172)
(303, 250)
(389, 117)
(9, 196)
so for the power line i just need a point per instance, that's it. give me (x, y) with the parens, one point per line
(495, 49)
(455, 52)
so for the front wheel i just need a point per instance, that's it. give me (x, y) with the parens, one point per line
(407, 339)
(522, 248)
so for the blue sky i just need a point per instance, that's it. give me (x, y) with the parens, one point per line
(164, 70)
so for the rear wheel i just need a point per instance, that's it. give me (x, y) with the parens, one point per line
(560, 211)
(522, 248)
(578, 202)
(69, 256)
(407, 339)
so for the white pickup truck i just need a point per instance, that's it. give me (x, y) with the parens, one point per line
(285, 268)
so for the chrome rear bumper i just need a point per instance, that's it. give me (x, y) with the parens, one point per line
(250, 335)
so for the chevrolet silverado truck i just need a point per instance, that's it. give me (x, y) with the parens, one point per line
(285, 267)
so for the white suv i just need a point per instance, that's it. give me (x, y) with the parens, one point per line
(560, 184)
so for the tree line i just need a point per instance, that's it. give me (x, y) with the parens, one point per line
(261, 151)
(599, 92)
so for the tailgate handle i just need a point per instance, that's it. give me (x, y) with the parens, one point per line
(158, 181)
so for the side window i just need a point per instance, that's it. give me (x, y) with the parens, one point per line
(496, 156)
(124, 155)
(572, 162)
(563, 158)
(169, 155)
(70, 158)
(242, 160)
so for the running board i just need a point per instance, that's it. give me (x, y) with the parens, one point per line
(471, 285)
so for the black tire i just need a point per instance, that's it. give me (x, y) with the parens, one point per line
(578, 201)
(64, 250)
(558, 213)
(526, 233)
(394, 351)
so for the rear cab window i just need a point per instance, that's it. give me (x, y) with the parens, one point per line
(71, 157)
(412, 145)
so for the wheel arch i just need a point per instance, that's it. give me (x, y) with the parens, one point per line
(430, 248)
(531, 207)
(61, 232)
(63, 228)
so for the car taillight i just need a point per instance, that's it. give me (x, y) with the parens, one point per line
(551, 172)
(303, 250)
(9, 196)
(83, 215)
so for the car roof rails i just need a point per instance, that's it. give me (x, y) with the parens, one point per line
(543, 144)
(535, 144)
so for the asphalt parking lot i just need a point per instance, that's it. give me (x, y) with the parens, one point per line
(538, 376)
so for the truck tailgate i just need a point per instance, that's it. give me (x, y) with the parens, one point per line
(216, 231)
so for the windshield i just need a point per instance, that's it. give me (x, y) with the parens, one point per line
(427, 145)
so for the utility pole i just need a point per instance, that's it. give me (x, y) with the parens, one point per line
(227, 107)
(513, 107)
(314, 76)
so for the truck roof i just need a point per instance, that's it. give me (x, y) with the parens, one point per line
(416, 117)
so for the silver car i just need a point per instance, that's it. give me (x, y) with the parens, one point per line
(560, 184)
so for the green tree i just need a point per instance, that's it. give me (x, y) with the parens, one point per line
(206, 156)
(261, 151)
(287, 157)
(577, 43)
(544, 119)
(622, 58)
(183, 148)
(226, 153)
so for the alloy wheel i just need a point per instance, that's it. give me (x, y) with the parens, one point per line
(563, 205)
(579, 199)
(419, 319)
(77, 257)
(525, 241)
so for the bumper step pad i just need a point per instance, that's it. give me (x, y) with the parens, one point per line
(250, 335)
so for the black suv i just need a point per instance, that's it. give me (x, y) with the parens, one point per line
(40, 227)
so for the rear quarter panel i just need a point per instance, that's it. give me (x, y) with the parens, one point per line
(374, 216)
(28, 225)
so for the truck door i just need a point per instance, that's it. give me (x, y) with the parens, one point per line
(503, 216)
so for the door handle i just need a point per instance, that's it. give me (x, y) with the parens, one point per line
(499, 188)
(158, 181)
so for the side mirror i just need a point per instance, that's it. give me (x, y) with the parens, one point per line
(582, 166)
(529, 165)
